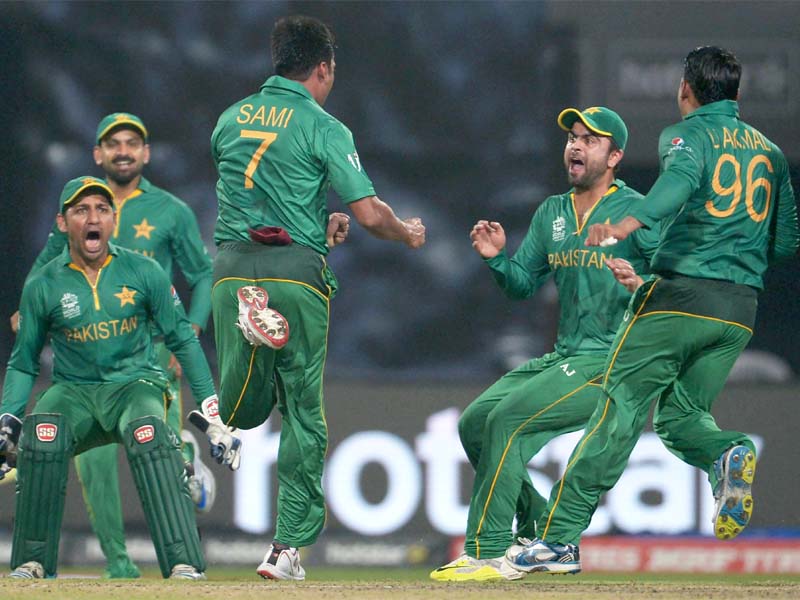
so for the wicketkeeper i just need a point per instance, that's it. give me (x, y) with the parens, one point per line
(96, 302)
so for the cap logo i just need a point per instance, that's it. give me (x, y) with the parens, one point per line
(144, 434)
(46, 432)
(592, 110)
(120, 117)
(87, 181)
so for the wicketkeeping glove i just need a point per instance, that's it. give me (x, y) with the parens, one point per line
(226, 447)
(10, 428)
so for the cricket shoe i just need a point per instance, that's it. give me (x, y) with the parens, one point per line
(202, 483)
(282, 564)
(733, 507)
(467, 568)
(261, 326)
(183, 571)
(541, 557)
(28, 570)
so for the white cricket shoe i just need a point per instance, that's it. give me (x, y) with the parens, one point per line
(202, 483)
(28, 570)
(182, 571)
(261, 326)
(282, 565)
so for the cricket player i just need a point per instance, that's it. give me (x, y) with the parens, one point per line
(277, 152)
(155, 223)
(556, 393)
(96, 302)
(727, 209)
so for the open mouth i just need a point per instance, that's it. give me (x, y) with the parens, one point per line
(93, 241)
(576, 165)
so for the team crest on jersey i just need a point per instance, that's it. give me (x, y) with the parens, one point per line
(559, 229)
(69, 306)
(175, 298)
(46, 432)
(355, 161)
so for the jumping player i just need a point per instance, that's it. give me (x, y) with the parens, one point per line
(727, 208)
(276, 153)
(556, 393)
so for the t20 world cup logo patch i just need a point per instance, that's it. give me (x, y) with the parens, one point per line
(559, 229)
(46, 432)
(144, 434)
(69, 306)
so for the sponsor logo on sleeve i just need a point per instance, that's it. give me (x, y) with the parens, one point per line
(144, 434)
(355, 161)
(46, 432)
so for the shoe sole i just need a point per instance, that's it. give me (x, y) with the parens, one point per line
(274, 576)
(253, 296)
(275, 335)
(476, 576)
(259, 317)
(736, 500)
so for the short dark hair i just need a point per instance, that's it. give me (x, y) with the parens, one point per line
(299, 44)
(713, 73)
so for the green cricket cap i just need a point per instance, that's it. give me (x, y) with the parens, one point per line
(598, 119)
(115, 120)
(76, 187)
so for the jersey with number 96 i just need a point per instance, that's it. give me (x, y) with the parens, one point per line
(277, 152)
(726, 197)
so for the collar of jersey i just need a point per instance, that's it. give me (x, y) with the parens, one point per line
(281, 83)
(728, 108)
(615, 185)
(66, 259)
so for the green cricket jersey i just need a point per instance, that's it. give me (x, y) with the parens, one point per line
(153, 222)
(277, 152)
(592, 302)
(726, 198)
(100, 333)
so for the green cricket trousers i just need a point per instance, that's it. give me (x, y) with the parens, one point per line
(99, 478)
(505, 427)
(254, 379)
(676, 345)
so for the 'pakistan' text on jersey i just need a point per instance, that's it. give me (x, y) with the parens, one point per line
(100, 333)
(153, 222)
(277, 152)
(725, 196)
(592, 302)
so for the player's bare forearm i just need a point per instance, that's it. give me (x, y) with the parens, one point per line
(377, 217)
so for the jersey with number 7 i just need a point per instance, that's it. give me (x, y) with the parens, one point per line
(740, 211)
(277, 152)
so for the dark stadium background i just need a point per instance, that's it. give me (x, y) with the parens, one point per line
(453, 108)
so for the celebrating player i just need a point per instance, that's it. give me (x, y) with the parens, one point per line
(727, 205)
(153, 222)
(96, 303)
(556, 393)
(276, 153)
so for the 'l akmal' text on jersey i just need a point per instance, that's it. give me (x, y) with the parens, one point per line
(592, 302)
(277, 152)
(726, 198)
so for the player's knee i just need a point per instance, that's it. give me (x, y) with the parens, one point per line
(146, 433)
(49, 433)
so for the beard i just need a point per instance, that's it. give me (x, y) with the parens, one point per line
(122, 178)
(585, 180)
